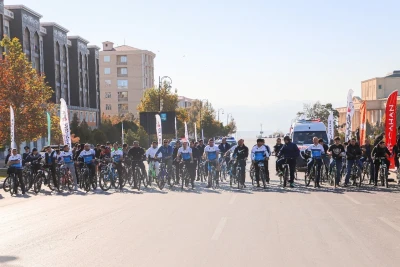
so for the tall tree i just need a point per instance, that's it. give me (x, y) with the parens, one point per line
(318, 111)
(26, 91)
(151, 99)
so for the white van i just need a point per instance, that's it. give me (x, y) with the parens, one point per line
(302, 133)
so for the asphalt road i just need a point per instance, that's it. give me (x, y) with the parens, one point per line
(254, 227)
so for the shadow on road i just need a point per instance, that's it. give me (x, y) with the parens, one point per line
(4, 259)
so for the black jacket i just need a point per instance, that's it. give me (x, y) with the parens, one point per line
(379, 152)
(196, 153)
(175, 153)
(136, 153)
(353, 152)
(241, 152)
(223, 148)
(201, 149)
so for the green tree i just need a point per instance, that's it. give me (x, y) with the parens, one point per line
(150, 100)
(140, 135)
(99, 136)
(85, 133)
(318, 111)
(74, 124)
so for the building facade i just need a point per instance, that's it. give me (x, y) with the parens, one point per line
(26, 27)
(125, 73)
(184, 102)
(56, 61)
(375, 93)
(79, 81)
(94, 79)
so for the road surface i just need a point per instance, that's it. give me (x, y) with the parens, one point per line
(275, 227)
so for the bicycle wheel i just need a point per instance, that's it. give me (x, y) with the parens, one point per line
(138, 178)
(161, 179)
(285, 176)
(386, 179)
(6, 184)
(13, 182)
(93, 181)
(37, 185)
(252, 175)
(86, 181)
(105, 180)
(307, 178)
(263, 177)
(183, 177)
(53, 186)
(70, 181)
(332, 176)
(27, 180)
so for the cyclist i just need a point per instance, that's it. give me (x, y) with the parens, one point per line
(151, 156)
(88, 156)
(337, 152)
(316, 150)
(277, 148)
(185, 156)
(137, 155)
(325, 158)
(353, 154)
(211, 154)
(232, 157)
(380, 151)
(223, 148)
(25, 155)
(267, 165)
(14, 164)
(66, 156)
(166, 154)
(366, 156)
(196, 157)
(288, 154)
(259, 153)
(241, 153)
(117, 157)
(50, 162)
(201, 148)
(177, 165)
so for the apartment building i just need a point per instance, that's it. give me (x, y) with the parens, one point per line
(185, 102)
(125, 73)
(94, 79)
(56, 63)
(26, 27)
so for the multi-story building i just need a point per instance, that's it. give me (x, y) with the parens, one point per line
(26, 27)
(1, 18)
(374, 92)
(79, 81)
(56, 64)
(125, 73)
(94, 79)
(184, 102)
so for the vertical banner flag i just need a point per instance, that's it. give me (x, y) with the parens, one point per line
(122, 133)
(390, 124)
(186, 132)
(195, 133)
(48, 128)
(64, 123)
(159, 130)
(176, 131)
(363, 122)
(331, 127)
(12, 124)
(349, 114)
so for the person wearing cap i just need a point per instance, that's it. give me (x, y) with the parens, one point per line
(66, 157)
(25, 155)
(288, 154)
(380, 151)
(177, 165)
(353, 154)
(259, 152)
(15, 166)
(337, 152)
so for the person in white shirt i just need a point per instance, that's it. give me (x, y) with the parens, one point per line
(117, 157)
(14, 164)
(316, 150)
(211, 154)
(66, 157)
(88, 156)
(151, 157)
(185, 155)
(259, 153)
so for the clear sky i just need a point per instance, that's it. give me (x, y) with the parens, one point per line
(259, 60)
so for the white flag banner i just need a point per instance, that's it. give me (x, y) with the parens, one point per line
(12, 124)
(186, 132)
(349, 114)
(123, 138)
(64, 123)
(195, 132)
(176, 131)
(202, 135)
(159, 130)
(331, 127)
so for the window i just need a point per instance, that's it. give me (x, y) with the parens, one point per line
(122, 84)
(123, 71)
(108, 106)
(107, 71)
(108, 83)
(123, 59)
(7, 30)
(122, 107)
(107, 59)
(123, 96)
(380, 86)
(108, 95)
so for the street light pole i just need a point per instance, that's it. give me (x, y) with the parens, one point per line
(160, 81)
(227, 118)
(201, 107)
(222, 113)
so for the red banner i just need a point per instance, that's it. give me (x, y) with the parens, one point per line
(390, 124)
(363, 119)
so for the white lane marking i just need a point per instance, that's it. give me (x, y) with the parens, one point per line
(219, 229)
(233, 198)
(352, 199)
(391, 224)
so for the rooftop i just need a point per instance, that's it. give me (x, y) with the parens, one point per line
(79, 38)
(53, 24)
(125, 48)
(27, 9)
(94, 46)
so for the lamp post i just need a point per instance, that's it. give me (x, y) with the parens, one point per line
(221, 109)
(227, 118)
(201, 107)
(160, 82)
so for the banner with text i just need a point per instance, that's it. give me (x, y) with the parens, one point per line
(195, 132)
(331, 127)
(363, 122)
(64, 123)
(12, 124)
(349, 114)
(159, 130)
(186, 132)
(390, 124)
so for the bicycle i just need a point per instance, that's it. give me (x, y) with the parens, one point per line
(13, 181)
(152, 172)
(262, 173)
(66, 180)
(382, 172)
(212, 174)
(366, 171)
(137, 177)
(202, 171)
(38, 179)
(223, 172)
(313, 173)
(237, 177)
(284, 176)
(252, 174)
(185, 175)
(332, 175)
(164, 176)
(355, 174)
(27, 175)
(85, 179)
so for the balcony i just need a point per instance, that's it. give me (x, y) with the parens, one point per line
(123, 111)
(122, 99)
(122, 75)
(122, 63)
